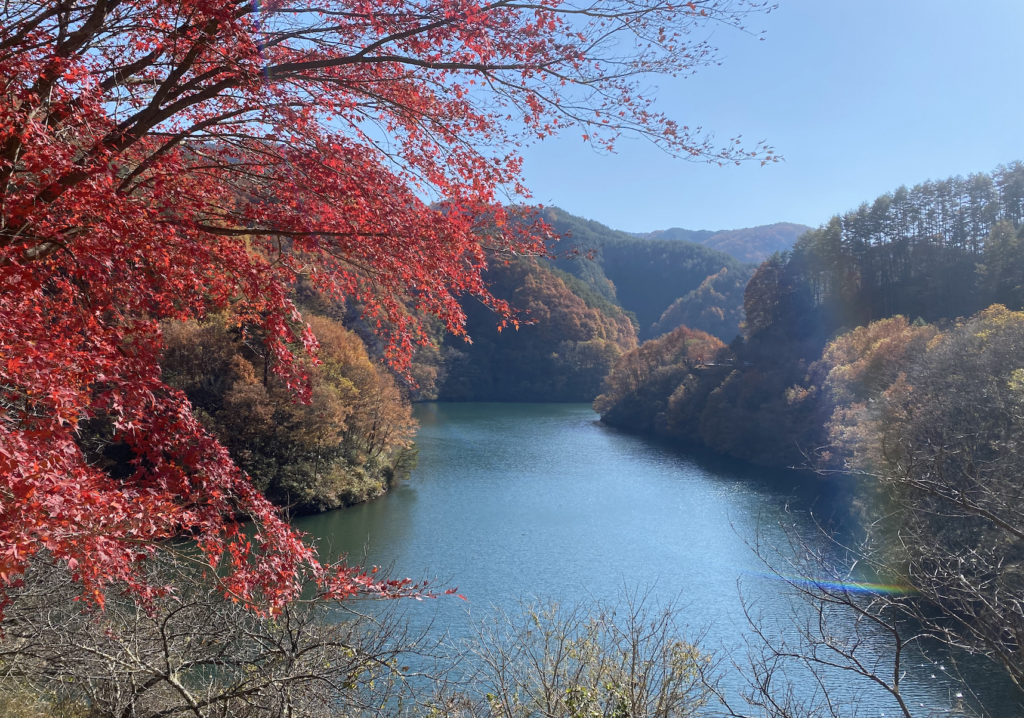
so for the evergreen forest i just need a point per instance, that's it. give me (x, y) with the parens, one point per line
(928, 256)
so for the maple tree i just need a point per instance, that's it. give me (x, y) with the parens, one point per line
(164, 159)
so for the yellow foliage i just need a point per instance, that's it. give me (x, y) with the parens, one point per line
(342, 447)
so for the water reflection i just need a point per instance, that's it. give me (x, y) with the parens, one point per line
(526, 499)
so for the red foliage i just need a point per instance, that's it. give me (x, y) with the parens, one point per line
(166, 159)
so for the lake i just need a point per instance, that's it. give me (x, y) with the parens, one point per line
(513, 500)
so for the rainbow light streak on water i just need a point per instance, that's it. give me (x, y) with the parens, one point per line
(827, 585)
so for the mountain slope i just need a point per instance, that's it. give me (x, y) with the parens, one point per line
(589, 306)
(676, 234)
(645, 276)
(569, 341)
(716, 306)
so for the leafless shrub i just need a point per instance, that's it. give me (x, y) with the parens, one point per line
(588, 659)
(854, 625)
(941, 443)
(196, 653)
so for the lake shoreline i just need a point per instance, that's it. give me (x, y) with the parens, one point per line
(526, 499)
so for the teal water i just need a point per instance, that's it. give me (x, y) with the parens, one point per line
(513, 500)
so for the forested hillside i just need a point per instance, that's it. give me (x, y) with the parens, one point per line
(938, 250)
(649, 275)
(646, 276)
(697, 236)
(347, 445)
(754, 244)
(584, 309)
(912, 258)
(568, 341)
(716, 306)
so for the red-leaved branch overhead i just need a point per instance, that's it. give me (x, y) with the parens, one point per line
(169, 158)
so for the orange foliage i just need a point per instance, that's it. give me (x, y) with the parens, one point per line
(560, 314)
(682, 349)
(858, 367)
(567, 340)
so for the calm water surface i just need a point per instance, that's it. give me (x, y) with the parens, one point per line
(515, 500)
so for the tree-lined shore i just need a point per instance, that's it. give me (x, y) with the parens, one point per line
(934, 254)
(239, 239)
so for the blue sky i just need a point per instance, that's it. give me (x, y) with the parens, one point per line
(859, 96)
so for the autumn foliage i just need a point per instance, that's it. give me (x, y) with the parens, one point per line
(715, 306)
(858, 367)
(570, 339)
(648, 383)
(346, 445)
(164, 160)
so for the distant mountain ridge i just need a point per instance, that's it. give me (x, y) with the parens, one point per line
(697, 236)
(750, 244)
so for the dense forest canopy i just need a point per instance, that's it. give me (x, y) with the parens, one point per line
(933, 253)
(646, 276)
(568, 340)
(697, 236)
(649, 384)
(938, 250)
(716, 306)
(651, 274)
(348, 444)
(614, 278)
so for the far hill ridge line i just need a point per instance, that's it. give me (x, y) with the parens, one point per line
(748, 244)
